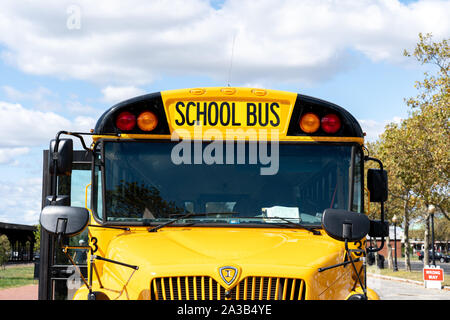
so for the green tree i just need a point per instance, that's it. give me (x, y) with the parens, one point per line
(430, 122)
(37, 237)
(5, 250)
(393, 149)
(416, 152)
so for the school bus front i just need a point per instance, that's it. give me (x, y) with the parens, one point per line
(219, 193)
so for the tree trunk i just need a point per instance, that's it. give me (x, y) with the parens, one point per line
(376, 255)
(389, 253)
(426, 256)
(406, 233)
(407, 257)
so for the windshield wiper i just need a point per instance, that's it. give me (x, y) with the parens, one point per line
(184, 216)
(310, 229)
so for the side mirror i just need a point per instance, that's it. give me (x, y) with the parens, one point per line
(378, 229)
(377, 183)
(63, 157)
(65, 221)
(345, 225)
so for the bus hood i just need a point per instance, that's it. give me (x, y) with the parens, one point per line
(194, 246)
(251, 252)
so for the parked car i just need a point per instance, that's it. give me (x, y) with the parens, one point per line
(445, 258)
(438, 256)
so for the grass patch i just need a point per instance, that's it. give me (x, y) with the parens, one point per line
(17, 276)
(413, 275)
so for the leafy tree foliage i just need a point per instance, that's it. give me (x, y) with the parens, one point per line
(416, 152)
(5, 249)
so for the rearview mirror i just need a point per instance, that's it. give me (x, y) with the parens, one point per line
(63, 157)
(66, 221)
(377, 183)
(345, 225)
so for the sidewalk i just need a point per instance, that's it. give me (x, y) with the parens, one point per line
(420, 283)
(390, 288)
(29, 292)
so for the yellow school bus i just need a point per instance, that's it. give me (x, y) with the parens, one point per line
(212, 194)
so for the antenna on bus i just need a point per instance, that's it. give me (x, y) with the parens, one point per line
(231, 59)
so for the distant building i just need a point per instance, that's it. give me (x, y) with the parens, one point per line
(396, 239)
(22, 240)
(415, 244)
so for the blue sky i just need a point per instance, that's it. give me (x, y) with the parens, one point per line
(63, 63)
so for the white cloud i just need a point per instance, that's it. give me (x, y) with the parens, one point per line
(22, 127)
(38, 94)
(20, 201)
(42, 98)
(135, 43)
(113, 94)
(77, 107)
(8, 155)
(373, 128)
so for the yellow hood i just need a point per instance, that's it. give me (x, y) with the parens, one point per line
(201, 252)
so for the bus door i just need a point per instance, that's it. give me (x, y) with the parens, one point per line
(58, 277)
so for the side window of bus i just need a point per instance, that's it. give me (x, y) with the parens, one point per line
(357, 184)
(97, 190)
(77, 183)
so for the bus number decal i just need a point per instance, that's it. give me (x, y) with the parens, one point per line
(358, 245)
(94, 241)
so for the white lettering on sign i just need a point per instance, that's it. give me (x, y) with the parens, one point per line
(433, 274)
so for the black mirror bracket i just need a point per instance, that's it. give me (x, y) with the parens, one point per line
(56, 158)
(348, 226)
(379, 225)
(348, 254)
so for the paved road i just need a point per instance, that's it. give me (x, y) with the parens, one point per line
(418, 265)
(397, 290)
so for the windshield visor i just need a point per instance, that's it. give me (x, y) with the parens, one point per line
(153, 182)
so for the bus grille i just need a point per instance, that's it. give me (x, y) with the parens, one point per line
(206, 288)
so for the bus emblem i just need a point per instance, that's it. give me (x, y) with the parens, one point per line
(228, 274)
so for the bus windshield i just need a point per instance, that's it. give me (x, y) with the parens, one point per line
(144, 184)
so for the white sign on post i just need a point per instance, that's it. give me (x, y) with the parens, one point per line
(433, 276)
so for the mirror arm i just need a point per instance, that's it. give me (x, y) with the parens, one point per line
(55, 165)
(363, 287)
(55, 156)
(376, 249)
(367, 158)
(338, 265)
(75, 134)
(61, 226)
(352, 262)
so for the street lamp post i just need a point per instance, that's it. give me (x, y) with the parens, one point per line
(394, 220)
(431, 210)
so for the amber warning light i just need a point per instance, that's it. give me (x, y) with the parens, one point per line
(147, 121)
(310, 123)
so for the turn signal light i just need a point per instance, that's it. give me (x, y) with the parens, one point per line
(126, 121)
(309, 122)
(331, 123)
(147, 121)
